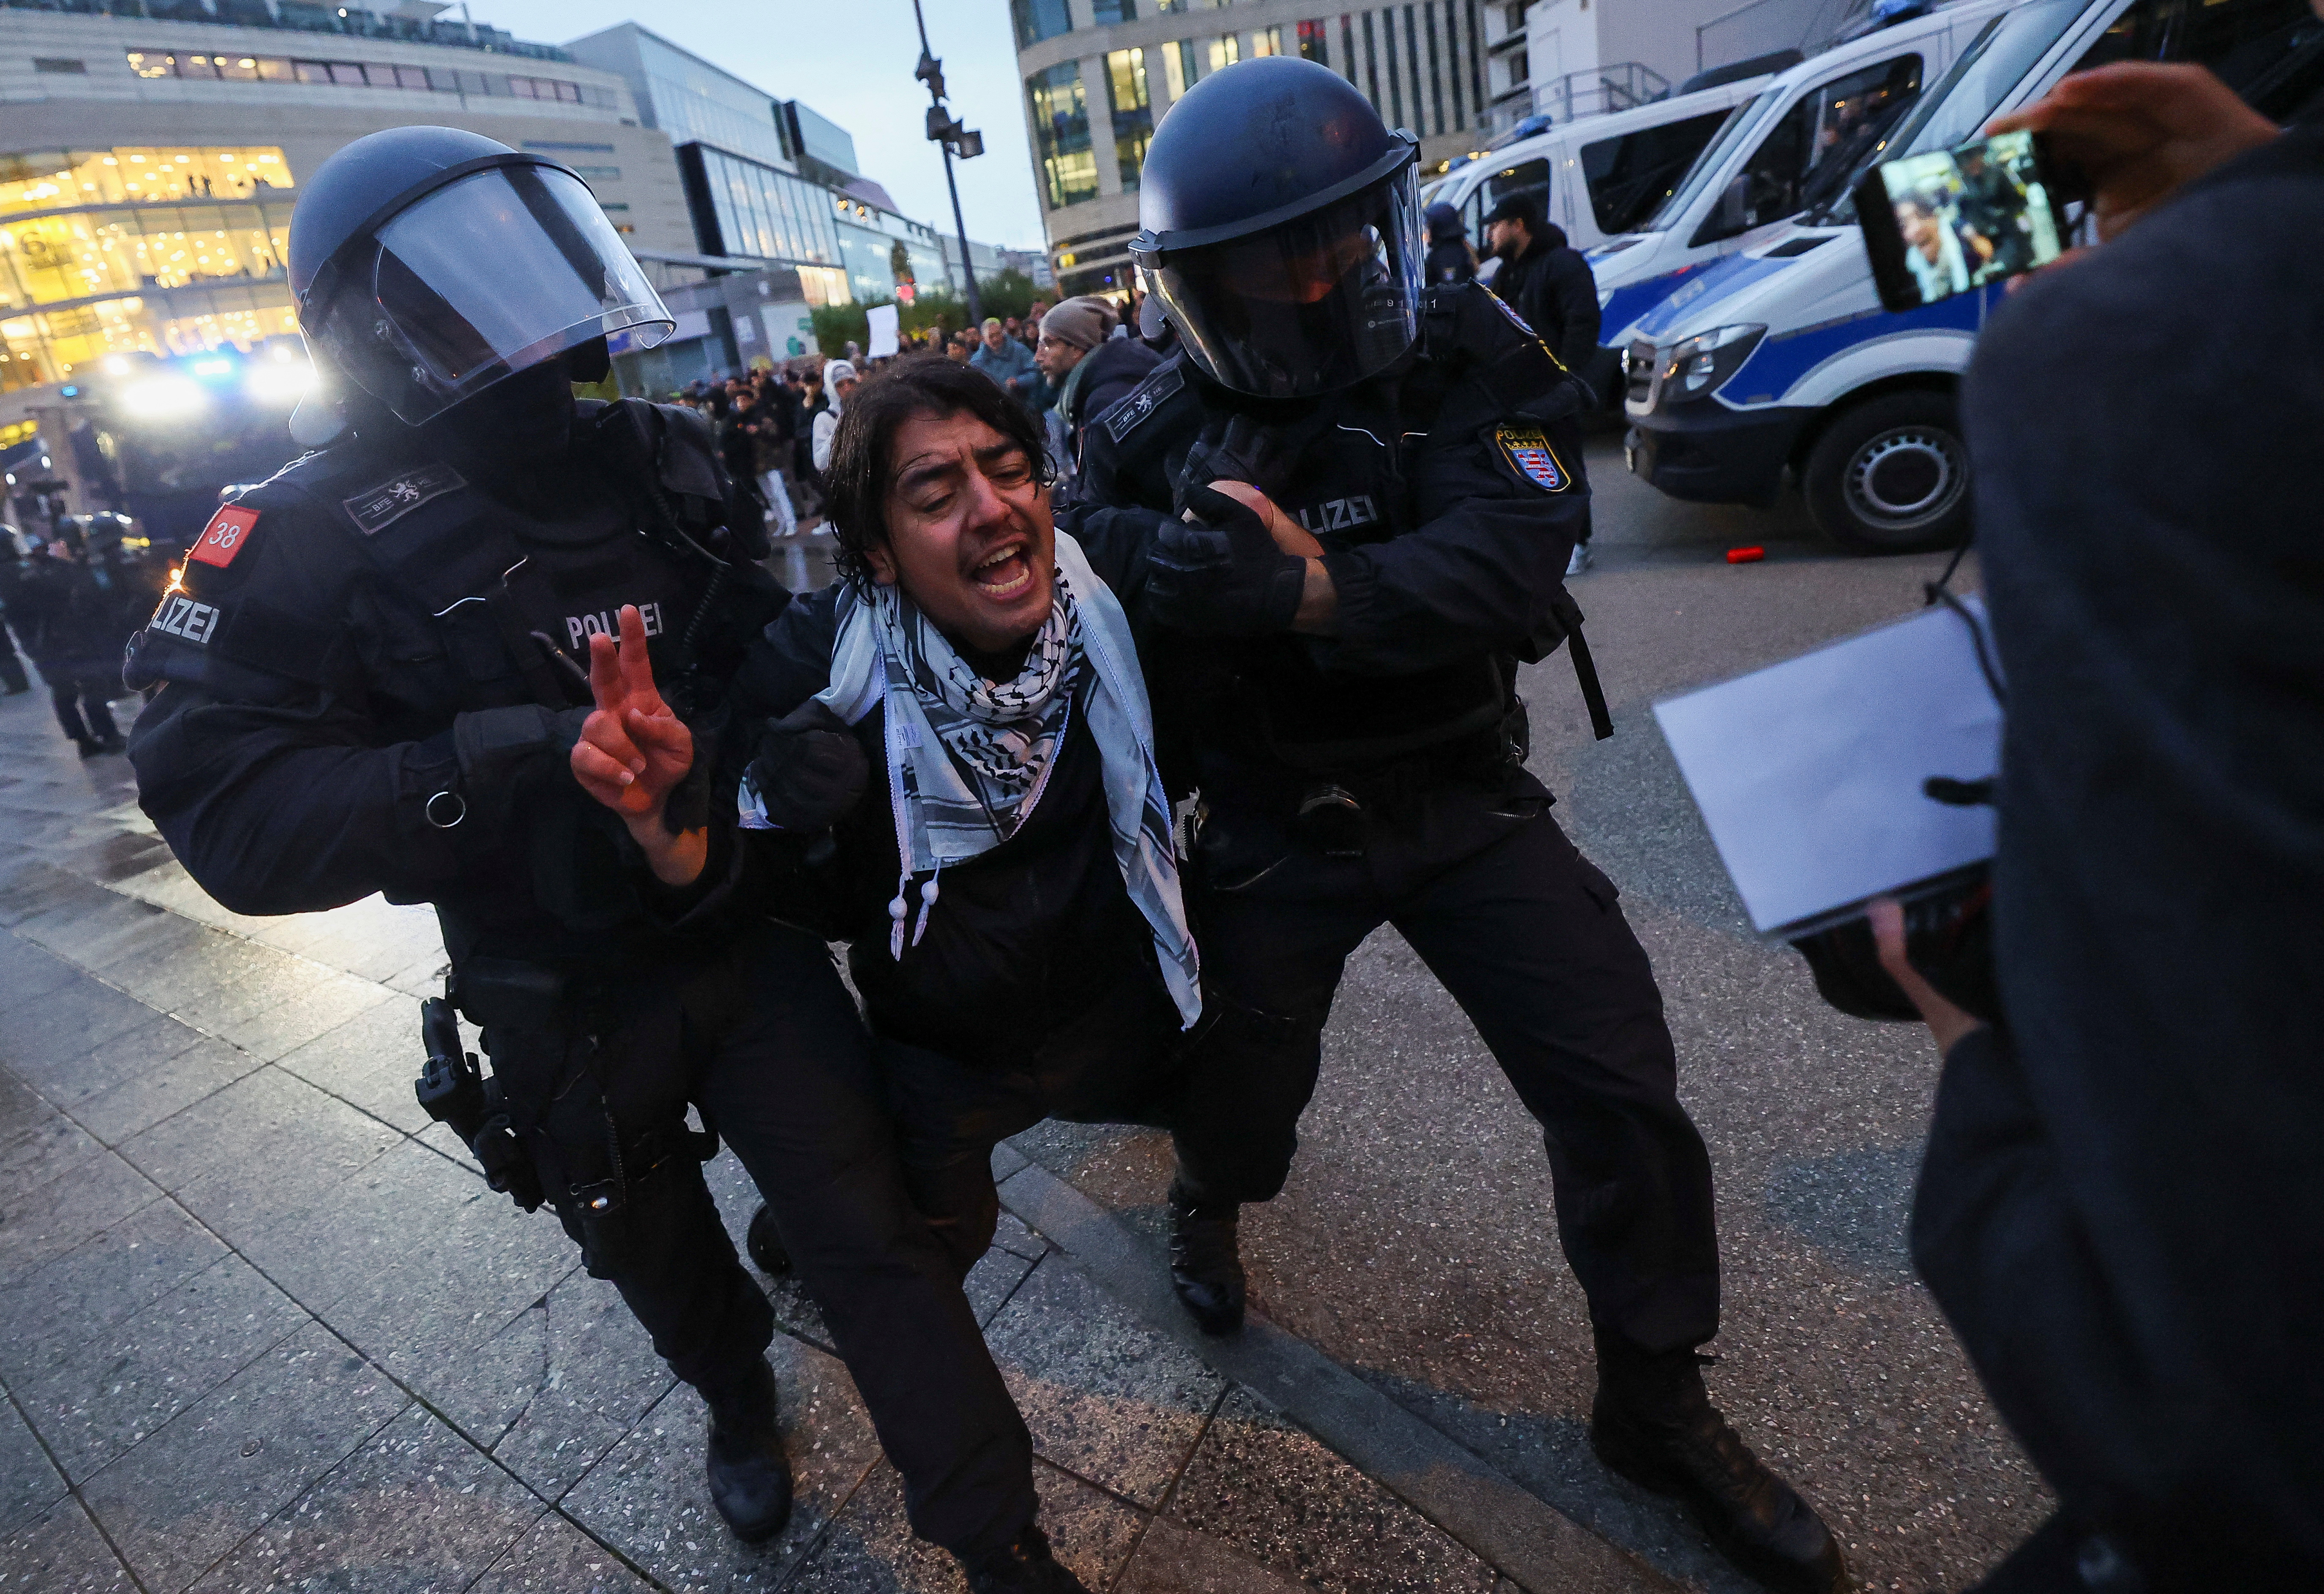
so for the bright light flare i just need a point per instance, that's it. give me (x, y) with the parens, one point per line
(163, 398)
(213, 367)
(279, 383)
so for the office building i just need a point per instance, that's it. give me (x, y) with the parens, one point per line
(769, 180)
(1562, 58)
(1100, 74)
(148, 167)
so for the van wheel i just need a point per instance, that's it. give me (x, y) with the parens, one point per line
(1890, 476)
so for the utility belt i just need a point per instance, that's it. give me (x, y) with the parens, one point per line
(591, 1176)
(1334, 809)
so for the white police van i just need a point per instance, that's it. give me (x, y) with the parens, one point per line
(1792, 148)
(1596, 176)
(1778, 357)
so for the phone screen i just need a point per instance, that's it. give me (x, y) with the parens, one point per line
(1944, 223)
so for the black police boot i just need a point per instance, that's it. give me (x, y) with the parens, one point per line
(1024, 1567)
(765, 1241)
(1653, 1422)
(88, 746)
(1206, 1261)
(750, 1476)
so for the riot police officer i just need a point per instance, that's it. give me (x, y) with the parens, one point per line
(374, 669)
(1352, 626)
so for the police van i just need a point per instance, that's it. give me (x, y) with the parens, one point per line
(1778, 356)
(1596, 176)
(1792, 147)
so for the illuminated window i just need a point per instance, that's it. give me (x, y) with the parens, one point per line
(1266, 41)
(1061, 130)
(1133, 112)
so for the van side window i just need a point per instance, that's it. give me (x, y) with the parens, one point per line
(1819, 141)
(1527, 176)
(1628, 178)
(2269, 51)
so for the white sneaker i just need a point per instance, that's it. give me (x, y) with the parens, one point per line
(1581, 560)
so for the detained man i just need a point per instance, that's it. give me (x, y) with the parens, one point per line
(958, 779)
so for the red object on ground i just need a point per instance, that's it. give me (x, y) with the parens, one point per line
(1746, 556)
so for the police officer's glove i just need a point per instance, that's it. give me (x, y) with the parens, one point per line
(1223, 574)
(810, 770)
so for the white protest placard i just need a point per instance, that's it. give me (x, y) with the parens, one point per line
(883, 317)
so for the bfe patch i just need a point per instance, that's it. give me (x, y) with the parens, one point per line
(226, 535)
(1526, 450)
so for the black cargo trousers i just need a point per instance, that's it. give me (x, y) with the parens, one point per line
(766, 1041)
(1525, 935)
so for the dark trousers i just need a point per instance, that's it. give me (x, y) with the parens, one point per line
(81, 694)
(767, 1045)
(1116, 1062)
(12, 668)
(1525, 935)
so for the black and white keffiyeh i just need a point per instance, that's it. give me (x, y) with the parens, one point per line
(968, 759)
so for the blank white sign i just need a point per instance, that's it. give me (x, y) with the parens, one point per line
(1809, 772)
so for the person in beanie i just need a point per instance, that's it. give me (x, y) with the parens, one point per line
(838, 382)
(1090, 368)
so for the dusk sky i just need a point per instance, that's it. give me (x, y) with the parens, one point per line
(852, 60)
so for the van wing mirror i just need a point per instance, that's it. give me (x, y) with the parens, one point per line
(1730, 215)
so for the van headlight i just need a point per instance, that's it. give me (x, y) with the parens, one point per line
(1697, 366)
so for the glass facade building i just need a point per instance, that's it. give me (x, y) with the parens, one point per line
(1133, 111)
(1061, 132)
(152, 249)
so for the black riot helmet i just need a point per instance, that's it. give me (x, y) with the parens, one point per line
(1280, 229)
(430, 264)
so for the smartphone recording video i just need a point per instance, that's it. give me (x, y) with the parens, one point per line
(1942, 224)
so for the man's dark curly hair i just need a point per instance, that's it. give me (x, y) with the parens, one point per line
(863, 451)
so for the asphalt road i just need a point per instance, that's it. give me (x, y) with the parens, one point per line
(1415, 1243)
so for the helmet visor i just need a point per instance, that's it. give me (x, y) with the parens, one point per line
(1312, 304)
(490, 274)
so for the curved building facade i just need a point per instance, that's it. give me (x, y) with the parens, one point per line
(148, 167)
(1099, 75)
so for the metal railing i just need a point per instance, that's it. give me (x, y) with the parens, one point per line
(1760, 26)
(1592, 91)
(302, 16)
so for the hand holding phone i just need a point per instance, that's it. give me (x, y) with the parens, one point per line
(1946, 222)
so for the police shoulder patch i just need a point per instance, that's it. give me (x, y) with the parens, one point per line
(375, 509)
(1143, 401)
(1527, 451)
(226, 535)
(1514, 319)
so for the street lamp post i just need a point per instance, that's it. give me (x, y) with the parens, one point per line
(945, 130)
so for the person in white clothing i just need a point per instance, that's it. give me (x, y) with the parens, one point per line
(839, 381)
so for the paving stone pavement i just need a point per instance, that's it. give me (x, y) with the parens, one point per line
(262, 1327)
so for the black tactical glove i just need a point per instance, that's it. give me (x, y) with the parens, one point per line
(1223, 574)
(809, 770)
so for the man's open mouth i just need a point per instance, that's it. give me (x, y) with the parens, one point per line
(1006, 571)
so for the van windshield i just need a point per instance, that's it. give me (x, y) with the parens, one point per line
(1966, 98)
(1629, 176)
(1707, 165)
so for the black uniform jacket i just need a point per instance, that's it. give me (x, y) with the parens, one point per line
(1021, 938)
(2123, 1206)
(345, 646)
(1553, 291)
(1447, 493)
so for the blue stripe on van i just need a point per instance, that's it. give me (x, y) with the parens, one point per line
(1715, 281)
(1779, 361)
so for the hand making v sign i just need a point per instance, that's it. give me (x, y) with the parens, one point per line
(633, 750)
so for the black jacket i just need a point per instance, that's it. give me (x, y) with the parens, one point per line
(71, 613)
(1021, 938)
(1553, 292)
(1109, 373)
(2123, 1206)
(1450, 261)
(345, 648)
(1447, 493)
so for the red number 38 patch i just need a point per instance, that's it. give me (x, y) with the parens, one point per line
(228, 531)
